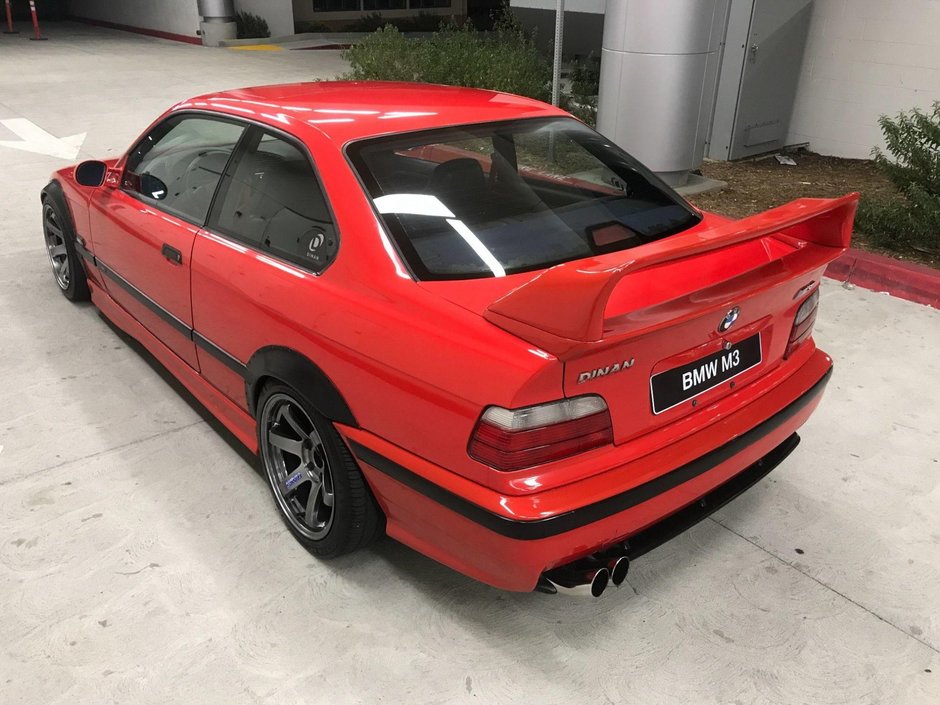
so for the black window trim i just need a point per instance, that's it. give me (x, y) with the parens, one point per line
(405, 261)
(208, 224)
(153, 203)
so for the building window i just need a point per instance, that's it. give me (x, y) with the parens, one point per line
(370, 5)
(336, 5)
(376, 5)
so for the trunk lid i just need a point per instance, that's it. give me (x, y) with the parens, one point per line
(675, 325)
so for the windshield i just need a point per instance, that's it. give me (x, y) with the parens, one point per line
(500, 198)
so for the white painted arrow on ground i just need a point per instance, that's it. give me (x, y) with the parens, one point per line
(33, 138)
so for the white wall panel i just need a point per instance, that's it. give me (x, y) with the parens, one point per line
(175, 16)
(865, 58)
(595, 6)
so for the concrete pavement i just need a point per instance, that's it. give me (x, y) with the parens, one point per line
(142, 561)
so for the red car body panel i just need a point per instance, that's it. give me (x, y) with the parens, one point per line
(129, 236)
(416, 363)
(514, 564)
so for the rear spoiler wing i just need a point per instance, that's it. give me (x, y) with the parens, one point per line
(564, 306)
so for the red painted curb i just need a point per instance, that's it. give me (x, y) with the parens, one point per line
(139, 30)
(325, 47)
(905, 280)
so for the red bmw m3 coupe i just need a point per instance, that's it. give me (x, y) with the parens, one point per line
(455, 316)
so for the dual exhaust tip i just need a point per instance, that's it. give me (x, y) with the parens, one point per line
(588, 575)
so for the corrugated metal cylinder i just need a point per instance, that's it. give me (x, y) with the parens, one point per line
(216, 10)
(659, 70)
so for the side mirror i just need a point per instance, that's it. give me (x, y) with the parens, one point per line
(91, 173)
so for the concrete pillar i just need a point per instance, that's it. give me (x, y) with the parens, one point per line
(218, 21)
(659, 73)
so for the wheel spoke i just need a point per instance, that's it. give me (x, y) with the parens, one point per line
(57, 250)
(52, 227)
(288, 445)
(313, 500)
(287, 413)
(62, 268)
(327, 493)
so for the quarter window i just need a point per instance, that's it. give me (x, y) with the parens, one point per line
(177, 167)
(271, 199)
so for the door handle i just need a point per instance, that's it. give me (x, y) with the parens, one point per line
(172, 254)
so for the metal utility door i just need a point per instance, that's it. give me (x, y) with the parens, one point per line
(773, 54)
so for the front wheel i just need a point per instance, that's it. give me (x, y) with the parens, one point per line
(60, 246)
(319, 490)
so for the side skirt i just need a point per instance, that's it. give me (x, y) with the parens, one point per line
(231, 416)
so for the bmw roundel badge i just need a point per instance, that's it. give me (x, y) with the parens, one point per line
(729, 319)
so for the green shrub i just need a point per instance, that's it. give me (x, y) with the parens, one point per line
(367, 23)
(422, 22)
(911, 221)
(251, 26)
(505, 59)
(585, 78)
(384, 55)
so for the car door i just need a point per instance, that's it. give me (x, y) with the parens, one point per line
(270, 233)
(144, 230)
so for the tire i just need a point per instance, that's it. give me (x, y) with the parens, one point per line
(305, 461)
(59, 235)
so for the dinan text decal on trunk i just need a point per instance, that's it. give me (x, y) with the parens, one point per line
(602, 371)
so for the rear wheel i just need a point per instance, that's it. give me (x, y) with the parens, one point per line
(60, 245)
(317, 485)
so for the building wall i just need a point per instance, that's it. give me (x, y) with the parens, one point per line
(864, 58)
(172, 16)
(595, 6)
(278, 13)
(583, 30)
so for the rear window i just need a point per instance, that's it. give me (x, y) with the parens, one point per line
(500, 198)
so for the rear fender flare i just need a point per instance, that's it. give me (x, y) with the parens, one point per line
(301, 374)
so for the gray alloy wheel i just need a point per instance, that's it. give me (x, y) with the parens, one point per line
(298, 466)
(56, 247)
(59, 237)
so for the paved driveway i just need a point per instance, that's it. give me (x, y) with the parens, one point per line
(141, 559)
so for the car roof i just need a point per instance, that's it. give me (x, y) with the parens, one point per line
(351, 110)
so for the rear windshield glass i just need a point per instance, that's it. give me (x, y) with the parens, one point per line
(500, 198)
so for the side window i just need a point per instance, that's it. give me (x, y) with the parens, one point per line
(271, 198)
(177, 167)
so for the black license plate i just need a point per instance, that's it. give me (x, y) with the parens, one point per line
(672, 387)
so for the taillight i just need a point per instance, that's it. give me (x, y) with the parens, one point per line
(803, 323)
(512, 439)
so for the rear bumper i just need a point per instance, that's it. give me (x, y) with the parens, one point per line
(488, 541)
